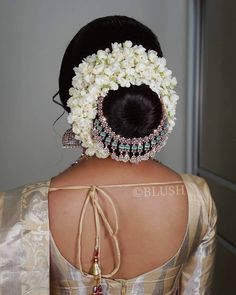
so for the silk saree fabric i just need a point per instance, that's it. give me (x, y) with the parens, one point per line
(28, 252)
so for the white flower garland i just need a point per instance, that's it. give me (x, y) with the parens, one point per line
(124, 65)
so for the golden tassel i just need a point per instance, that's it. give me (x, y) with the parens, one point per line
(96, 272)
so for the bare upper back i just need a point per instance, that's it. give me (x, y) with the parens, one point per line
(152, 220)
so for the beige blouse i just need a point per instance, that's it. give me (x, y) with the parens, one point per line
(30, 262)
(169, 278)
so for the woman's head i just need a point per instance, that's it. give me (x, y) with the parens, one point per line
(130, 112)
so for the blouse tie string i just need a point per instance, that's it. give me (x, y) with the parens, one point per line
(93, 197)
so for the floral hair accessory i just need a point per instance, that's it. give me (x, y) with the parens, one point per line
(124, 65)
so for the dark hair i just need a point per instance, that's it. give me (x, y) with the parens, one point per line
(130, 112)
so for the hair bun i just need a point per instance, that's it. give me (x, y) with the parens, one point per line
(133, 112)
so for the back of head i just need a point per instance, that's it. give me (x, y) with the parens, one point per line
(131, 112)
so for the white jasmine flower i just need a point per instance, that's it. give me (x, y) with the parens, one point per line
(77, 111)
(108, 69)
(128, 44)
(101, 54)
(75, 129)
(104, 91)
(90, 151)
(98, 69)
(162, 61)
(174, 97)
(69, 119)
(174, 81)
(113, 85)
(167, 73)
(92, 58)
(102, 80)
(93, 90)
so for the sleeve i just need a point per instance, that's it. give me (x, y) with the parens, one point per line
(197, 272)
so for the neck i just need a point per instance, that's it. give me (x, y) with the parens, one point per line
(94, 160)
(92, 168)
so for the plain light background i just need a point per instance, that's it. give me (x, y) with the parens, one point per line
(34, 36)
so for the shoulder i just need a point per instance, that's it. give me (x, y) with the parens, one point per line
(16, 203)
(23, 194)
(12, 199)
(198, 180)
(203, 193)
(201, 184)
(26, 188)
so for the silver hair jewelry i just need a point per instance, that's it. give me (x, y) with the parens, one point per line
(128, 149)
(69, 140)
